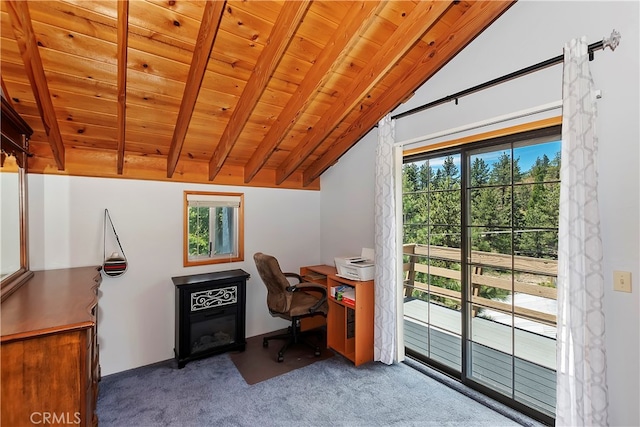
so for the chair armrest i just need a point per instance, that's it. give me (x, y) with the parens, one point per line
(315, 306)
(294, 275)
(314, 287)
(307, 286)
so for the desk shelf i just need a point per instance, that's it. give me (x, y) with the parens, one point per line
(317, 273)
(350, 327)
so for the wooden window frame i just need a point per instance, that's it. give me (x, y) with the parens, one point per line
(239, 229)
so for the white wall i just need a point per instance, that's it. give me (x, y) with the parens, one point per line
(136, 310)
(347, 203)
(528, 33)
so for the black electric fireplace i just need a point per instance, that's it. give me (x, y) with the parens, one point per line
(210, 314)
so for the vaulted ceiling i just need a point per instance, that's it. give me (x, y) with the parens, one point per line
(260, 93)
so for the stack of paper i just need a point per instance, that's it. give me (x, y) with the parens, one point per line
(349, 296)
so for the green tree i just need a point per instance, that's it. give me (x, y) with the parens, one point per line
(444, 209)
(410, 202)
(541, 214)
(480, 172)
(198, 230)
(482, 202)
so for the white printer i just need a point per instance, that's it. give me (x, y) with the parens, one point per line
(359, 268)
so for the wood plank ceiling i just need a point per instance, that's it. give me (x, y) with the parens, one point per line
(260, 93)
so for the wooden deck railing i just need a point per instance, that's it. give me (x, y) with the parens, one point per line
(542, 267)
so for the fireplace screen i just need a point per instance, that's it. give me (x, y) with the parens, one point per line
(211, 331)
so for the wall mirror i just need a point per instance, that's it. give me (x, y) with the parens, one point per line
(14, 260)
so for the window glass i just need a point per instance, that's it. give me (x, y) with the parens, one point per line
(214, 228)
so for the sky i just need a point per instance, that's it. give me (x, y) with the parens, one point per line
(527, 155)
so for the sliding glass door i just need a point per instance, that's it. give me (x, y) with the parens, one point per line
(480, 258)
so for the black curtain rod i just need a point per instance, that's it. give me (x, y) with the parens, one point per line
(539, 66)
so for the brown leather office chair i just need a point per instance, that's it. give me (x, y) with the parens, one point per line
(291, 302)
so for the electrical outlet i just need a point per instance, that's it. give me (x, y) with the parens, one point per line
(622, 281)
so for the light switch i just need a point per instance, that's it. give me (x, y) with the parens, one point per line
(622, 281)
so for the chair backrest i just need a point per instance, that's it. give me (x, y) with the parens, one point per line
(278, 299)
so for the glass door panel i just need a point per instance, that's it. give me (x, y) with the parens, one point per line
(511, 232)
(432, 260)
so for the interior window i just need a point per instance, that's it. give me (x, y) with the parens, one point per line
(213, 228)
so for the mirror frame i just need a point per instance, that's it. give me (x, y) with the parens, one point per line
(15, 142)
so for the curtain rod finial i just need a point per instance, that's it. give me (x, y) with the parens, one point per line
(612, 41)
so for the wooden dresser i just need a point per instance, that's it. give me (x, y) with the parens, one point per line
(49, 350)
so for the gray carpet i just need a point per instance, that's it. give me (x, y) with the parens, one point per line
(331, 392)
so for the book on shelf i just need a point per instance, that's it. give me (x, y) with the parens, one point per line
(343, 291)
(335, 290)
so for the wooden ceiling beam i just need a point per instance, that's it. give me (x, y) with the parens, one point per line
(354, 23)
(28, 45)
(211, 17)
(5, 92)
(478, 17)
(123, 43)
(401, 41)
(283, 29)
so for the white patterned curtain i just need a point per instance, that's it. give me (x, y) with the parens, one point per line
(582, 398)
(386, 322)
